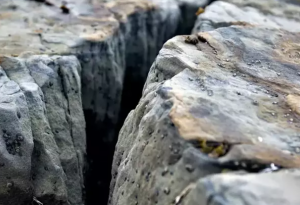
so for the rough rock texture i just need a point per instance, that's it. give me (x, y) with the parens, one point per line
(221, 100)
(16, 143)
(273, 13)
(115, 43)
(278, 188)
(43, 129)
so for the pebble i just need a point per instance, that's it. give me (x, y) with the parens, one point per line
(166, 190)
(189, 168)
(165, 171)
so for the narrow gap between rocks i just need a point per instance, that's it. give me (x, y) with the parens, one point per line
(99, 152)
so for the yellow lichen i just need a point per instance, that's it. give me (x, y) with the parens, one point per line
(200, 11)
(219, 151)
(216, 149)
(205, 148)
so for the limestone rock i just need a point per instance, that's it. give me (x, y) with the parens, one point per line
(277, 188)
(215, 101)
(16, 143)
(273, 14)
(51, 94)
(115, 43)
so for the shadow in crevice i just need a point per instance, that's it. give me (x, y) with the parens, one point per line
(100, 153)
(100, 156)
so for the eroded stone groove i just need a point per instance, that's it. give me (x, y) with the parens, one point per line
(122, 69)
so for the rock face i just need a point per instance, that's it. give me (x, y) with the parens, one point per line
(112, 45)
(278, 188)
(223, 100)
(266, 13)
(43, 130)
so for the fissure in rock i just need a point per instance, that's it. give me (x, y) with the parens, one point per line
(134, 47)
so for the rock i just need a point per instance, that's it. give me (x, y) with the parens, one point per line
(275, 188)
(115, 43)
(51, 94)
(222, 102)
(273, 14)
(16, 143)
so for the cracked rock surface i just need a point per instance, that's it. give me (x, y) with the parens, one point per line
(43, 129)
(219, 101)
(74, 58)
(218, 116)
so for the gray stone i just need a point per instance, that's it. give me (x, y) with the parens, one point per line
(208, 104)
(273, 14)
(51, 89)
(115, 42)
(253, 189)
(16, 143)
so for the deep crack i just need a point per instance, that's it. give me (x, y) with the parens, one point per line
(138, 61)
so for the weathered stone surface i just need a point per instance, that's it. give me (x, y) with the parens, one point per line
(16, 143)
(224, 99)
(274, 14)
(276, 188)
(50, 90)
(115, 43)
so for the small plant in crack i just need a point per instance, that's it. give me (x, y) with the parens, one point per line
(217, 150)
(212, 148)
(200, 11)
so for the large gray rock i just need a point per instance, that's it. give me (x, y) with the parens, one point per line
(279, 188)
(221, 100)
(115, 43)
(16, 143)
(51, 91)
(273, 14)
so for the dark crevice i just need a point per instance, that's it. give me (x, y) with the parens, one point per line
(100, 151)
(98, 174)
(188, 19)
(132, 93)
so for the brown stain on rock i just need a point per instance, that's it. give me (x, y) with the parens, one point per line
(244, 148)
(5, 15)
(289, 51)
(294, 102)
(241, 23)
(197, 128)
(206, 127)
